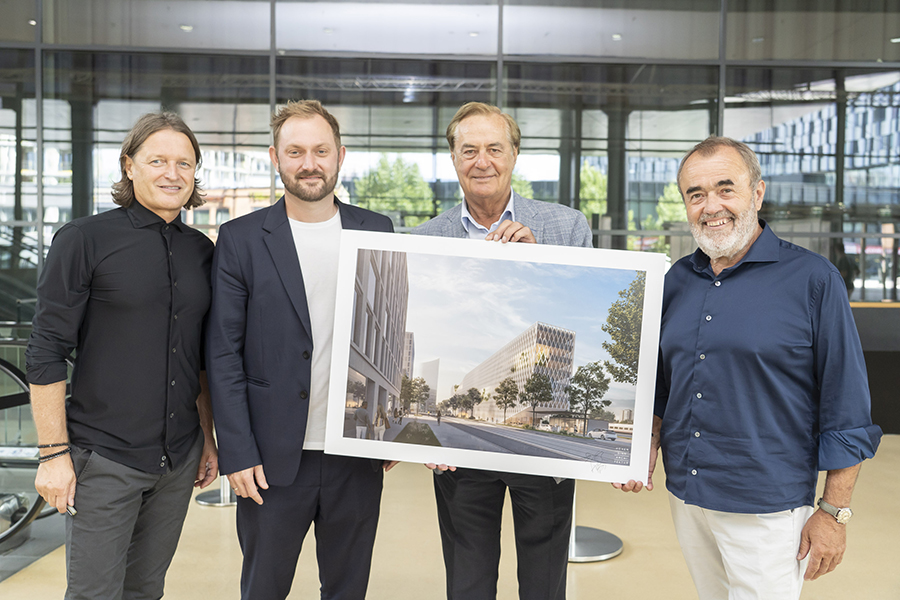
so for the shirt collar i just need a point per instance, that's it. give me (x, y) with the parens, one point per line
(508, 213)
(141, 216)
(764, 249)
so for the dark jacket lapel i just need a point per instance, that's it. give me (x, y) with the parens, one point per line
(280, 242)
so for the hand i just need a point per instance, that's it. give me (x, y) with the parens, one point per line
(55, 482)
(390, 464)
(208, 469)
(511, 231)
(824, 540)
(637, 486)
(436, 467)
(244, 483)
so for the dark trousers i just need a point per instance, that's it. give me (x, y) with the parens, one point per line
(470, 507)
(121, 542)
(342, 496)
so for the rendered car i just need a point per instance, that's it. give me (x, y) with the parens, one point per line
(603, 434)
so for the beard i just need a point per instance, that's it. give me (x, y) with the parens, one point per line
(294, 184)
(727, 243)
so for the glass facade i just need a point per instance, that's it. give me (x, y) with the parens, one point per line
(608, 93)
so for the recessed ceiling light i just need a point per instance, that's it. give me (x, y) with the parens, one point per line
(893, 40)
(32, 22)
(473, 34)
(757, 40)
(617, 37)
(186, 28)
(328, 30)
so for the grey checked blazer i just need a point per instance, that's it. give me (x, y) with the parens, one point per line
(551, 223)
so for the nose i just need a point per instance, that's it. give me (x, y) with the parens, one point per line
(482, 161)
(308, 162)
(171, 170)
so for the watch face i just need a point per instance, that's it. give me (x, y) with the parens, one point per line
(843, 515)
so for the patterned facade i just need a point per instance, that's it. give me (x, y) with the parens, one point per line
(543, 349)
(409, 354)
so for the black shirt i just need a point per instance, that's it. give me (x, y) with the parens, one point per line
(130, 294)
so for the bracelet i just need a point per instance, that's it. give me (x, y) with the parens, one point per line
(53, 445)
(44, 459)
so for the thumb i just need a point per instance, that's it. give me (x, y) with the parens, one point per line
(804, 546)
(260, 477)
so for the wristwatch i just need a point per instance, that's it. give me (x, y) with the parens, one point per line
(841, 515)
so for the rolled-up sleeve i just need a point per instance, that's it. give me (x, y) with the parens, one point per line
(63, 293)
(846, 433)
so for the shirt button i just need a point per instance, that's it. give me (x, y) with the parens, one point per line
(166, 228)
(709, 317)
(696, 434)
(175, 317)
(174, 350)
(175, 284)
(693, 471)
(173, 382)
(699, 395)
(171, 415)
(702, 356)
(718, 283)
(306, 355)
(303, 395)
(163, 459)
(170, 253)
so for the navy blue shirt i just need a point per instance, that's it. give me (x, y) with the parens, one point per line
(129, 292)
(761, 379)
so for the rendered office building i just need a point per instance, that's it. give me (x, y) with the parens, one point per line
(543, 349)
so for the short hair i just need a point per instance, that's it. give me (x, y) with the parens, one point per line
(305, 109)
(712, 144)
(471, 109)
(147, 125)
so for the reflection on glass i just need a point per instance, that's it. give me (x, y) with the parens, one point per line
(202, 24)
(819, 30)
(421, 27)
(18, 272)
(612, 29)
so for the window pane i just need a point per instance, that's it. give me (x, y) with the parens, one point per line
(420, 27)
(93, 99)
(672, 30)
(18, 272)
(242, 24)
(812, 30)
(19, 22)
(18, 160)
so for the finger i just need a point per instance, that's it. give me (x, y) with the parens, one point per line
(812, 569)
(430, 466)
(260, 478)
(390, 464)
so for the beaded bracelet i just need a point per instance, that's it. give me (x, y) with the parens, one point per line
(44, 459)
(53, 445)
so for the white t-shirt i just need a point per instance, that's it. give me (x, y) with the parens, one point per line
(317, 248)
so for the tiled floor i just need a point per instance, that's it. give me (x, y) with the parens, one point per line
(407, 564)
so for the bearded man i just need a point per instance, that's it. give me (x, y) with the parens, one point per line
(269, 360)
(761, 383)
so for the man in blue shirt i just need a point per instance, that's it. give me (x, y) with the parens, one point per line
(761, 383)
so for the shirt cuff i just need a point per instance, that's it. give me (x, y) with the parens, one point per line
(842, 449)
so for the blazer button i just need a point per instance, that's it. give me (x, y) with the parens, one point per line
(306, 354)
(303, 395)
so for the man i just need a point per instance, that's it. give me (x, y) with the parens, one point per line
(128, 290)
(361, 418)
(761, 383)
(484, 145)
(269, 356)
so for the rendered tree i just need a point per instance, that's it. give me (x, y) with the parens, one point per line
(586, 390)
(357, 389)
(537, 391)
(623, 324)
(407, 391)
(475, 398)
(506, 395)
(396, 186)
(422, 392)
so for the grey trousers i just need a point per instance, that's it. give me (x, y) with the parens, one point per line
(120, 544)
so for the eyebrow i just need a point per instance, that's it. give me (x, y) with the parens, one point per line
(697, 188)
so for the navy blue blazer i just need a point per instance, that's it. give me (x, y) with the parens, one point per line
(259, 340)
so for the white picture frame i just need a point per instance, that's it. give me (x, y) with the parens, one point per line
(472, 306)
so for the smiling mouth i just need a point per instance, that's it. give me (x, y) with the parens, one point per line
(717, 222)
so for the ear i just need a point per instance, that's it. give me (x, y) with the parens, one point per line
(129, 167)
(273, 156)
(341, 154)
(758, 194)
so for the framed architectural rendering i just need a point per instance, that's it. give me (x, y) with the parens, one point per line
(513, 357)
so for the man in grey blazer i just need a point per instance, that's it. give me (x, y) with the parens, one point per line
(484, 145)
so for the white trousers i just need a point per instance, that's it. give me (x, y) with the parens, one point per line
(738, 556)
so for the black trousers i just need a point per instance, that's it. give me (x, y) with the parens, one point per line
(342, 496)
(470, 507)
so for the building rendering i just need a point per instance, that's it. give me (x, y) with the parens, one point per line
(378, 331)
(540, 349)
(429, 372)
(409, 354)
